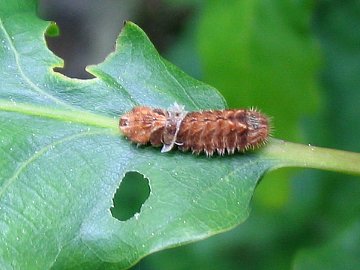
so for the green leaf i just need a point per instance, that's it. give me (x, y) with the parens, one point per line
(262, 53)
(53, 30)
(62, 157)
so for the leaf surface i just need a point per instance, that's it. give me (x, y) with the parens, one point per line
(62, 157)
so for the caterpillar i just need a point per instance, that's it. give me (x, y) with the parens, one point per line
(209, 131)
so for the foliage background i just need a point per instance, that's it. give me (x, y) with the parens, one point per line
(299, 61)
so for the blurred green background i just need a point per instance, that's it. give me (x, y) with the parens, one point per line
(297, 61)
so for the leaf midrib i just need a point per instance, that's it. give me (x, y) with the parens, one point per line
(64, 115)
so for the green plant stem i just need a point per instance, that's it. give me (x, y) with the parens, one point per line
(290, 154)
(308, 156)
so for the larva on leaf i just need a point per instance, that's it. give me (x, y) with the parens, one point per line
(221, 131)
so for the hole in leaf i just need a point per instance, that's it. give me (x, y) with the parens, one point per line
(69, 49)
(87, 30)
(130, 196)
(85, 35)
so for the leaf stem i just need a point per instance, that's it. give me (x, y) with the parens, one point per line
(308, 156)
(290, 154)
(65, 115)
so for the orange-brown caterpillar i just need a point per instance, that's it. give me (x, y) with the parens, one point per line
(208, 131)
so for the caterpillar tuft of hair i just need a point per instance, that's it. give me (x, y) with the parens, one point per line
(221, 131)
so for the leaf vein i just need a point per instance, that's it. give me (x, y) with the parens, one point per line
(22, 73)
(179, 84)
(38, 154)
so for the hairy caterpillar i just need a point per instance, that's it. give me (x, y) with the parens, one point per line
(204, 131)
